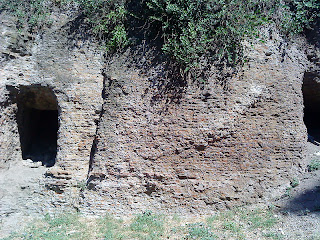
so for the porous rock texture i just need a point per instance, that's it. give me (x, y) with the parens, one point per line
(63, 65)
(212, 146)
(129, 139)
(55, 69)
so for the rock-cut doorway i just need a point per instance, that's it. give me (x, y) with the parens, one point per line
(311, 97)
(38, 124)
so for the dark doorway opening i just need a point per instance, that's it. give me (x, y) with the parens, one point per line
(38, 124)
(311, 97)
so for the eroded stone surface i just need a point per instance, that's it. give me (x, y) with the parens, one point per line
(144, 144)
(213, 148)
(71, 71)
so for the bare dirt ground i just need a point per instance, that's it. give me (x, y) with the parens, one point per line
(22, 199)
(21, 196)
(300, 207)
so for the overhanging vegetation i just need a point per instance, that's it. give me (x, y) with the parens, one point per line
(192, 33)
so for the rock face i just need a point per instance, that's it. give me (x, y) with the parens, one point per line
(143, 144)
(212, 147)
(49, 73)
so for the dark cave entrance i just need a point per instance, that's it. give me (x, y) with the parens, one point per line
(38, 124)
(311, 97)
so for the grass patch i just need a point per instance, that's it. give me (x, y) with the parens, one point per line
(235, 224)
(148, 226)
(231, 226)
(261, 219)
(111, 228)
(200, 231)
(62, 227)
(239, 224)
(273, 235)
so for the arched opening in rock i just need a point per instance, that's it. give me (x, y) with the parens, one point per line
(311, 97)
(38, 124)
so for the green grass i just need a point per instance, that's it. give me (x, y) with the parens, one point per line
(148, 226)
(111, 228)
(231, 226)
(62, 227)
(237, 223)
(240, 223)
(200, 231)
(261, 219)
(273, 235)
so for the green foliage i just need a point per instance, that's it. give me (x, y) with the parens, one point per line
(63, 227)
(273, 235)
(231, 226)
(82, 185)
(30, 14)
(108, 21)
(199, 231)
(297, 15)
(111, 228)
(148, 226)
(288, 192)
(294, 182)
(260, 219)
(314, 165)
(236, 223)
(194, 33)
(240, 223)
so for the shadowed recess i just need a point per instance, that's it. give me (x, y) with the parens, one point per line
(311, 97)
(38, 124)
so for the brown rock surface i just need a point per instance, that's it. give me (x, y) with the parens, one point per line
(145, 143)
(211, 148)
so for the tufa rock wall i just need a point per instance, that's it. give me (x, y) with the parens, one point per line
(209, 149)
(51, 62)
(141, 142)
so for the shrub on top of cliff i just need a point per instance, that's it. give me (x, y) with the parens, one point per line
(194, 34)
(30, 14)
(108, 20)
(197, 33)
(297, 15)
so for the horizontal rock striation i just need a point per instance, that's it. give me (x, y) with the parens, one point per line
(134, 138)
(207, 148)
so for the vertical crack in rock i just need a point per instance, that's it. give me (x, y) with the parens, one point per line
(95, 140)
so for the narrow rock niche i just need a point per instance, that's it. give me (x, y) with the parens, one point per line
(311, 97)
(38, 124)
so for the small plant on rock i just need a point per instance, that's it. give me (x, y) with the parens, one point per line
(314, 165)
(294, 182)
